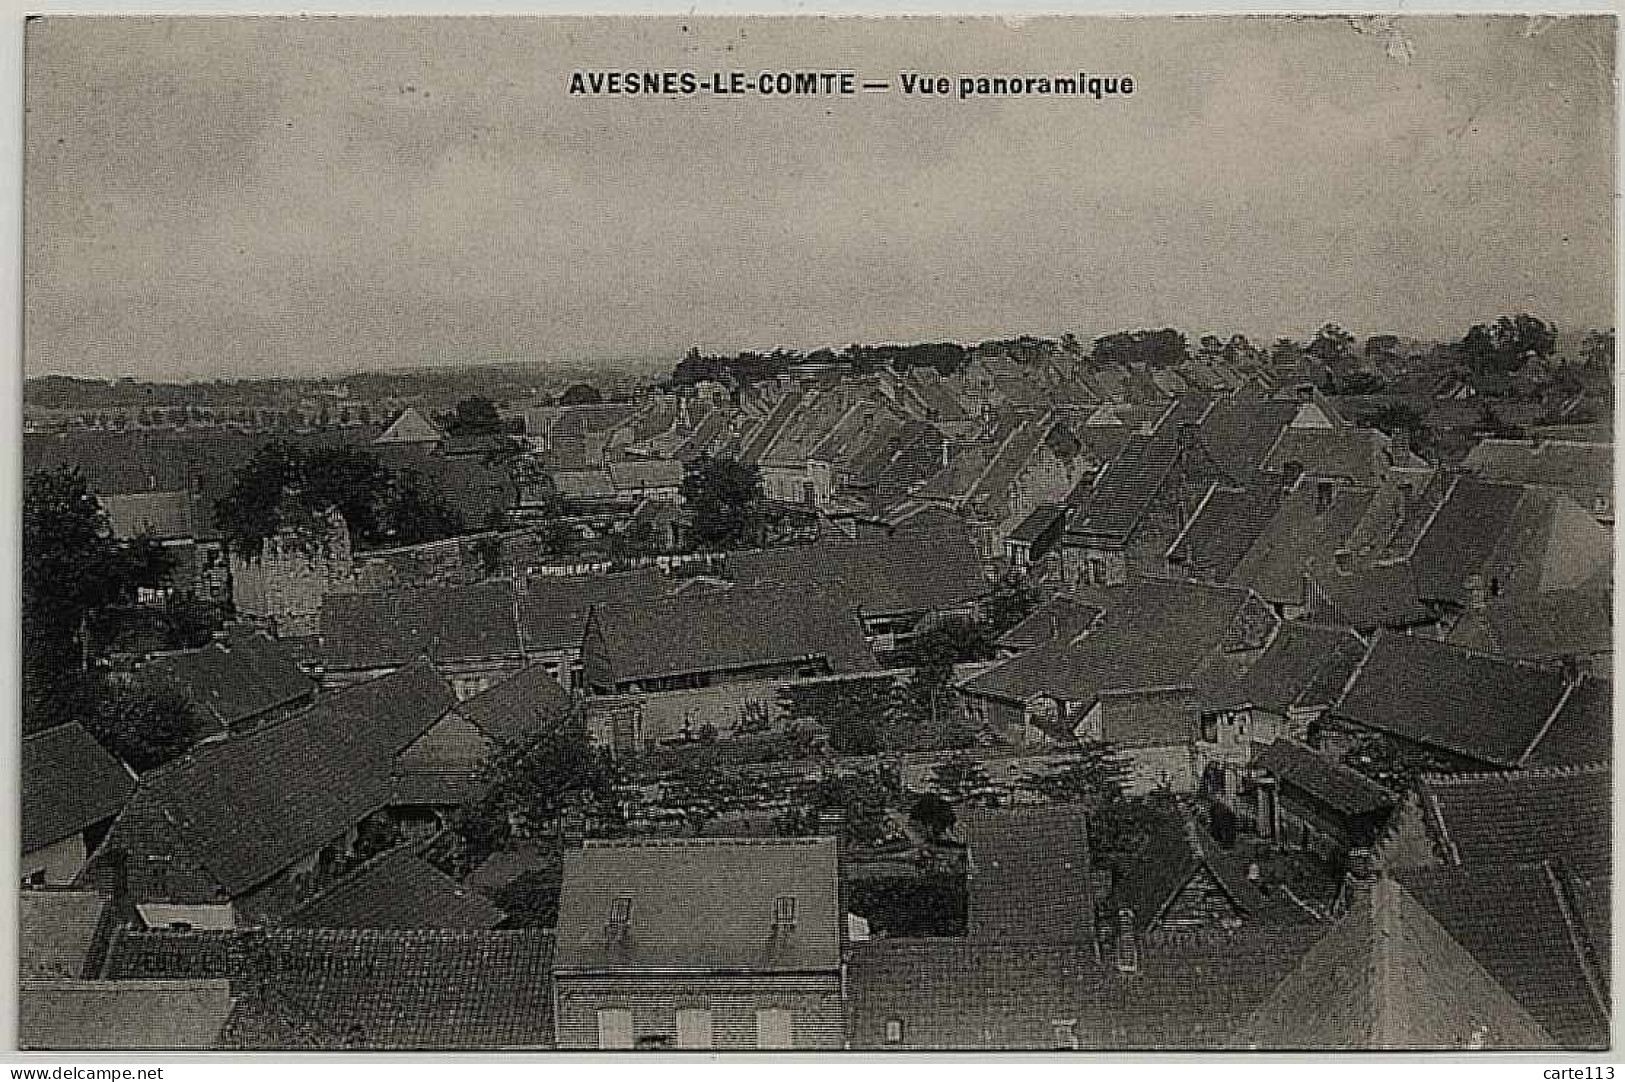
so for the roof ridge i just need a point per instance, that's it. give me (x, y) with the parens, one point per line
(1566, 770)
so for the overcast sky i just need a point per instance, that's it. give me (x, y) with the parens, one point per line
(241, 197)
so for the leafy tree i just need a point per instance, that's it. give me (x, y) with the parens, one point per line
(72, 567)
(863, 800)
(531, 783)
(1333, 347)
(144, 722)
(932, 814)
(726, 498)
(1598, 351)
(1010, 602)
(947, 643)
(580, 394)
(852, 712)
(1094, 776)
(1158, 349)
(417, 511)
(704, 791)
(475, 416)
(961, 779)
(532, 899)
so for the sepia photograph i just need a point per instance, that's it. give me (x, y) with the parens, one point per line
(851, 535)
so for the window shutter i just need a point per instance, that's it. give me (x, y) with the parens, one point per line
(773, 1028)
(614, 1029)
(694, 1028)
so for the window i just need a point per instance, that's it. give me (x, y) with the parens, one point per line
(1066, 1033)
(784, 913)
(620, 911)
(894, 1031)
(614, 1029)
(694, 1028)
(773, 1028)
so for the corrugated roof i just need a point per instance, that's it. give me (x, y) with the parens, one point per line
(701, 905)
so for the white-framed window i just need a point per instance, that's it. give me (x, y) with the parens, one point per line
(614, 1028)
(894, 1031)
(774, 1028)
(694, 1028)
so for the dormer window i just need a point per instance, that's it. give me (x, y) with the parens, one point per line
(784, 913)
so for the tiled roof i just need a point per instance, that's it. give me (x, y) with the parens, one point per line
(56, 932)
(122, 1016)
(1238, 433)
(701, 904)
(1334, 785)
(249, 806)
(1388, 977)
(518, 707)
(162, 516)
(410, 427)
(1127, 487)
(1540, 627)
(882, 577)
(444, 623)
(69, 782)
(1154, 635)
(1358, 454)
(553, 609)
(765, 433)
(1434, 694)
(1584, 468)
(1369, 597)
(1041, 519)
(396, 889)
(1303, 665)
(1224, 529)
(371, 988)
(1060, 618)
(735, 628)
(1029, 874)
(244, 676)
(1583, 731)
(1520, 924)
(1461, 537)
(651, 473)
(1301, 532)
(1524, 817)
(1188, 992)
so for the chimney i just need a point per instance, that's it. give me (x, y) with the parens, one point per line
(1128, 947)
(1360, 877)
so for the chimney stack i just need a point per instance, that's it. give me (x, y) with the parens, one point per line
(1128, 946)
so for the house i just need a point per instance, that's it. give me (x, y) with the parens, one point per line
(241, 679)
(1582, 471)
(1224, 527)
(470, 632)
(1032, 461)
(553, 611)
(71, 790)
(726, 943)
(1133, 678)
(1302, 798)
(1160, 992)
(1028, 875)
(1281, 695)
(359, 989)
(1476, 710)
(895, 584)
(251, 826)
(1389, 977)
(1035, 537)
(122, 1016)
(441, 768)
(396, 890)
(740, 633)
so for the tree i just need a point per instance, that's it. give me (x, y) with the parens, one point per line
(531, 782)
(1094, 776)
(580, 394)
(72, 567)
(475, 416)
(704, 791)
(932, 814)
(962, 780)
(1009, 603)
(146, 723)
(1333, 347)
(726, 498)
(417, 511)
(852, 712)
